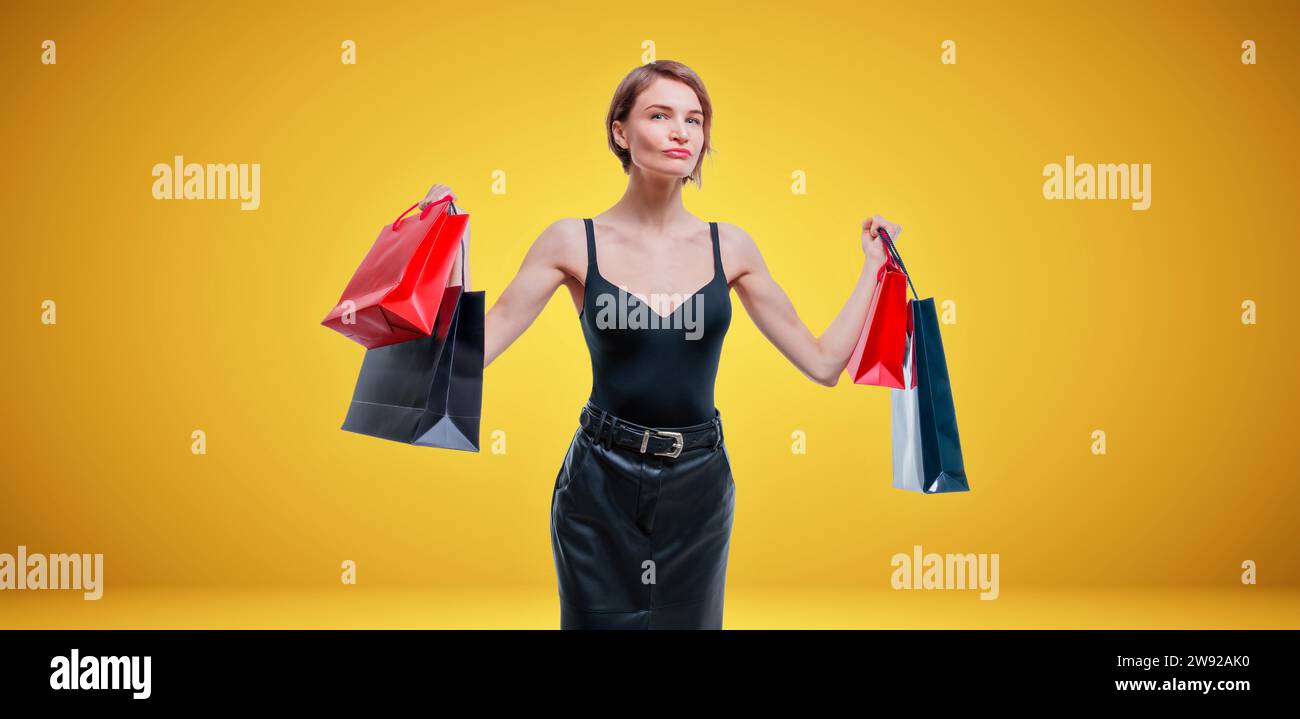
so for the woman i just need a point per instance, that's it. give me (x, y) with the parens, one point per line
(641, 513)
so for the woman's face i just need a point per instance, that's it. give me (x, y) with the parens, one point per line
(666, 116)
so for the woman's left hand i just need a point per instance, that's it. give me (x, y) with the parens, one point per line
(872, 244)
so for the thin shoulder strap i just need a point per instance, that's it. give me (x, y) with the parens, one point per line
(717, 250)
(591, 244)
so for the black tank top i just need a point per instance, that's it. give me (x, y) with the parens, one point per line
(650, 369)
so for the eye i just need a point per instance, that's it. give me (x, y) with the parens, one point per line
(697, 121)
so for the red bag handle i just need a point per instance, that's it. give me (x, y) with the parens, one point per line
(423, 213)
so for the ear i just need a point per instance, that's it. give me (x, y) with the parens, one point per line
(619, 138)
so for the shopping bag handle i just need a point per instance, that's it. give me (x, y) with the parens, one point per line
(893, 250)
(423, 213)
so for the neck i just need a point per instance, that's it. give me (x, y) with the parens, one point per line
(652, 203)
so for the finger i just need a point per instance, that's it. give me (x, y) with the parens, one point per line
(433, 196)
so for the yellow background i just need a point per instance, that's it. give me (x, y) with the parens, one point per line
(1072, 316)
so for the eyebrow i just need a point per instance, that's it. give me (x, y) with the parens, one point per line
(696, 112)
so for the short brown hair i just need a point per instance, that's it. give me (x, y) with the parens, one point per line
(638, 80)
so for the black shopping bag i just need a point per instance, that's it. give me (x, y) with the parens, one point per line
(942, 469)
(427, 391)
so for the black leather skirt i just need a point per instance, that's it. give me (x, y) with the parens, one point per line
(641, 537)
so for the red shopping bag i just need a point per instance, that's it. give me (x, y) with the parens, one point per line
(878, 357)
(397, 292)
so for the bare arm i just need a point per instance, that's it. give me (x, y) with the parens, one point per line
(821, 359)
(523, 299)
(539, 276)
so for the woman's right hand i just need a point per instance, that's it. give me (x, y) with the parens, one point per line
(436, 193)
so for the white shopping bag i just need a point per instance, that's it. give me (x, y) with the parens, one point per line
(905, 423)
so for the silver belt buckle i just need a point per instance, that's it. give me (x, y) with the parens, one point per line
(677, 442)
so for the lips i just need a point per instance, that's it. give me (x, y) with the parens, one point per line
(678, 153)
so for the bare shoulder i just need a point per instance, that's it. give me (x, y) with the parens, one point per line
(563, 245)
(740, 254)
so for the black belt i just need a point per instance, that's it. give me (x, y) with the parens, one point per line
(599, 424)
